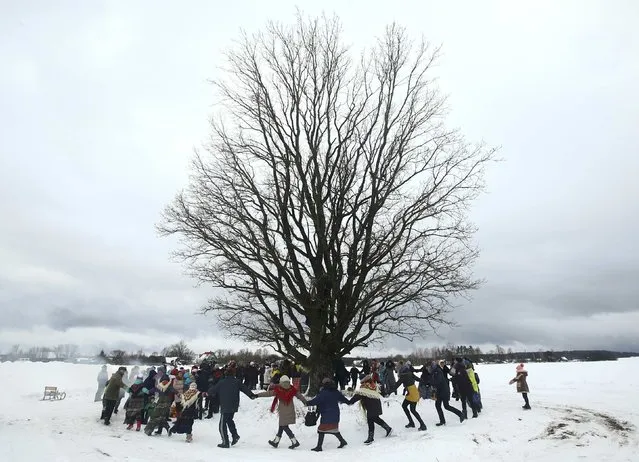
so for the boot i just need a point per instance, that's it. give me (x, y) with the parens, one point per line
(320, 441)
(388, 429)
(189, 438)
(223, 445)
(422, 427)
(526, 407)
(294, 443)
(235, 439)
(369, 440)
(342, 441)
(410, 424)
(440, 424)
(129, 427)
(275, 441)
(138, 425)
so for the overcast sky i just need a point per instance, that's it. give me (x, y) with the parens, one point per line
(101, 104)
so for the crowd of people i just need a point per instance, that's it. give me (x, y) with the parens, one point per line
(172, 398)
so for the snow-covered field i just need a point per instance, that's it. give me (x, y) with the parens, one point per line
(581, 412)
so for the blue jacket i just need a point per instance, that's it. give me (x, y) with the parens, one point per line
(327, 402)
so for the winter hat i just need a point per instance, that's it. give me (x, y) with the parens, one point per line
(139, 376)
(442, 362)
(520, 368)
(285, 381)
(193, 386)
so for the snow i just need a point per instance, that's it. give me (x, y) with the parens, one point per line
(581, 412)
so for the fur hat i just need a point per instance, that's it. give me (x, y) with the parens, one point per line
(285, 381)
(520, 368)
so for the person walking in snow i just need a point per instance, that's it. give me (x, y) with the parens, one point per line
(283, 398)
(408, 379)
(190, 403)
(327, 402)
(112, 394)
(354, 376)
(440, 382)
(522, 384)
(228, 391)
(103, 377)
(160, 407)
(464, 386)
(389, 380)
(134, 406)
(370, 399)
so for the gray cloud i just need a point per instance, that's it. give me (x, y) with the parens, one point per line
(101, 107)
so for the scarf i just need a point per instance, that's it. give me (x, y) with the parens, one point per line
(368, 390)
(283, 394)
(189, 397)
(163, 386)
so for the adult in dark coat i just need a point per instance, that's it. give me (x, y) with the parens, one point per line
(228, 391)
(327, 402)
(202, 382)
(366, 368)
(341, 373)
(354, 376)
(440, 382)
(464, 385)
(370, 398)
(250, 376)
(260, 372)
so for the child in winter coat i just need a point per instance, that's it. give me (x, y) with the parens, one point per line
(522, 384)
(184, 423)
(283, 394)
(135, 405)
(370, 400)
(327, 402)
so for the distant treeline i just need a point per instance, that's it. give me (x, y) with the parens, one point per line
(262, 356)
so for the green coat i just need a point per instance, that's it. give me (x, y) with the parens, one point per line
(112, 390)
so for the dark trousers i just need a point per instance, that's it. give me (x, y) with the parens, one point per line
(525, 395)
(227, 425)
(406, 405)
(108, 405)
(285, 429)
(440, 413)
(468, 399)
(375, 420)
(354, 379)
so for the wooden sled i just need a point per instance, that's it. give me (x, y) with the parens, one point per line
(52, 394)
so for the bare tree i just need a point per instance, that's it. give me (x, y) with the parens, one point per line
(181, 351)
(330, 204)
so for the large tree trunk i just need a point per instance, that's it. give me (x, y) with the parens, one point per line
(320, 366)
